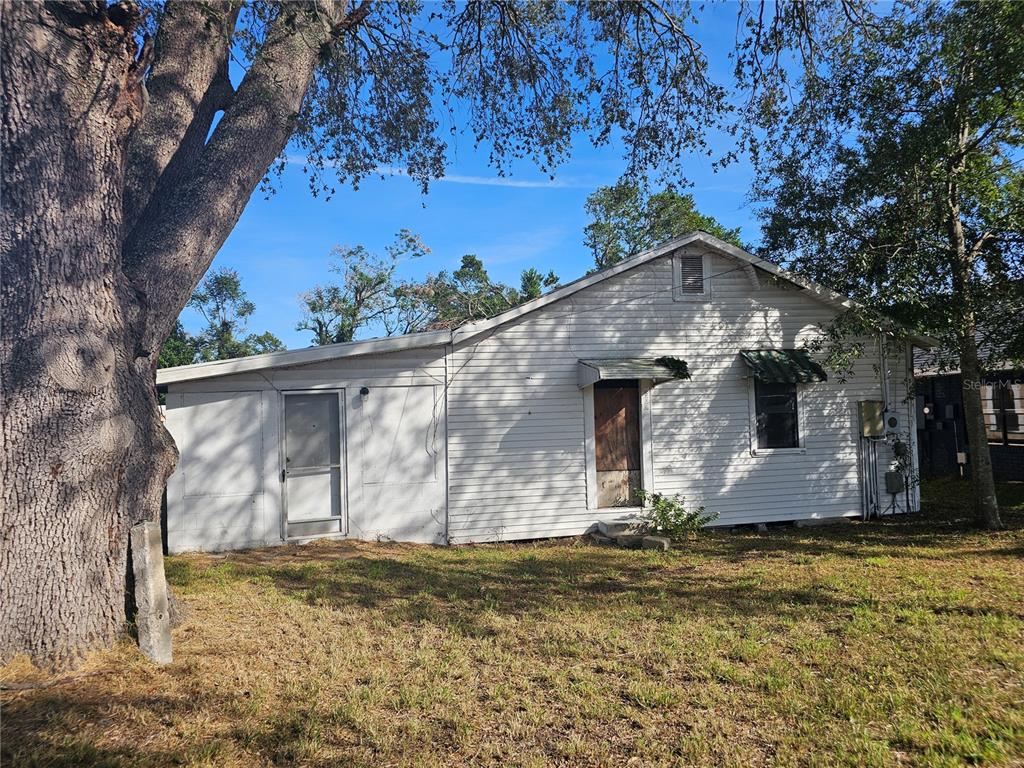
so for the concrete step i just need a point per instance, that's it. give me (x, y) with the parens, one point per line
(629, 540)
(659, 543)
(623, 526)
(632, 541)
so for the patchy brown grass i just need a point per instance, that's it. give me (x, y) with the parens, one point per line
(883, 644)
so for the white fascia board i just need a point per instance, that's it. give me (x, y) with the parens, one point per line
(301, 356)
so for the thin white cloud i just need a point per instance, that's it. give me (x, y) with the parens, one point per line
(481, 181)
(489, 181)
(528, 246)
(733, 188)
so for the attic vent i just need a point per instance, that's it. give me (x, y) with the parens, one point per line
(688, 274)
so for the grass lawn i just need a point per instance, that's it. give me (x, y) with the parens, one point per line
(883, 644)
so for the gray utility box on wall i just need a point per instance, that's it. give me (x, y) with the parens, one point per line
(894, 482)
(872, 418)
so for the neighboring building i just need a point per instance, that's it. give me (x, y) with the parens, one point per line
(942, 431)
(548, 417)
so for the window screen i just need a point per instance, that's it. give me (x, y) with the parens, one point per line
(312, 431)
(1013, 403)
(690, 274)
(990, 405)
(776, 415)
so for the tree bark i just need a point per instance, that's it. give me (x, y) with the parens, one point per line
(986, 505)
(94, 275)
(187, 84)
(84, 455)
(185, 224)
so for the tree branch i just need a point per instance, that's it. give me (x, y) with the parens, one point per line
(188, 223)
(186, 88)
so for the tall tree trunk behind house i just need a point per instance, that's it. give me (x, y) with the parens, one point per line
(986, 505)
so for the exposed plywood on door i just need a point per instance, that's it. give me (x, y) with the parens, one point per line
(617, 442)
(617, 488)
(617, 426)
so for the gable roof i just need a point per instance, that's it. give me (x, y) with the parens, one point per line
(726, 249)
(943, 361)
(465, 332)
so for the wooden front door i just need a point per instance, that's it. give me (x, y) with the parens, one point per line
(617, 442)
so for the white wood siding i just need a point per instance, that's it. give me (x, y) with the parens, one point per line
(517, 458)
(221, 424)
(508, 423)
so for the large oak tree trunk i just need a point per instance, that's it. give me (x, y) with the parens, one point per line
(84, 455)
(95, 272)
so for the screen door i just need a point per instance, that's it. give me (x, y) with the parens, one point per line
(313, 466)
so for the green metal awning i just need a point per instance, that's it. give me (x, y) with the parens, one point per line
(782, 366)
(657, 369)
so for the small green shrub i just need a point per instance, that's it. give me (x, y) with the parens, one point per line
(667, 516)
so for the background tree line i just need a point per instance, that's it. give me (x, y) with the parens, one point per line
(369, 295)
(225, 308)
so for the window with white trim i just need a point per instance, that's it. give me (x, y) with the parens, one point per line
(689, 280)
(775, 407)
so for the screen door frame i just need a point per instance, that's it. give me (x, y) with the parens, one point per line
(343, 465)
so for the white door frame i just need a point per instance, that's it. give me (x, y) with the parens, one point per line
(343, 466)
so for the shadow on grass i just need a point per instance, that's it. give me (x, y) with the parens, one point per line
(458, 588)
(460, 597)
(31, 738)
(464, 589)
(45, 731)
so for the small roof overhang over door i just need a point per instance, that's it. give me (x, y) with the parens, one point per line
(656, 369)
(782, 366)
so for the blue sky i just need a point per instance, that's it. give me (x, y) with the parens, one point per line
(281, 245)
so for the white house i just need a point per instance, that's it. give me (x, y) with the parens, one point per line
(548, 417)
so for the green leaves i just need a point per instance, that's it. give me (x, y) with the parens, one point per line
(902, 135)
(625, 220)
(526, 78)
(468, 293)
(179, 349)
(668, 516)
(223, 303)
(371, 294)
